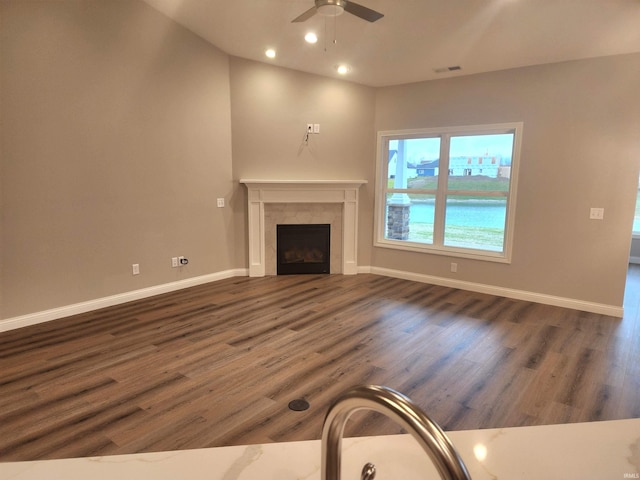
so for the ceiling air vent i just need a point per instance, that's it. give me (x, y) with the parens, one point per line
(447, 69)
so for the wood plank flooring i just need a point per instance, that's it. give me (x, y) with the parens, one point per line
(218, 364)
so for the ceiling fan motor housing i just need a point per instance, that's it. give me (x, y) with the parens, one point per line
(330, 8)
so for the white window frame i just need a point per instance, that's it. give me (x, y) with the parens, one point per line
(438, 248)
(635, 234)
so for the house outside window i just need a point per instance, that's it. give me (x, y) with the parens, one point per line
(469, 210)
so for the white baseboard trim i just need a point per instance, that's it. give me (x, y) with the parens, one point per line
(602, 309)
(83, 307)
(635, 260)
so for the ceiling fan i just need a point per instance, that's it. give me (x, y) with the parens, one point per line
(331, 8)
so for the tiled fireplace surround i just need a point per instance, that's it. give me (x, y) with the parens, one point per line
(272, 202)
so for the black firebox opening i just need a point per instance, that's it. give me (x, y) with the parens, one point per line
(303, 248)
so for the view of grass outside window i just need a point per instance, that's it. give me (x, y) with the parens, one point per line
(448, 191)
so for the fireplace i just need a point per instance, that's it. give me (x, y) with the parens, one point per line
(303, 248)
(263, 194)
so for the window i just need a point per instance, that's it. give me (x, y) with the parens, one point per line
(468, 210)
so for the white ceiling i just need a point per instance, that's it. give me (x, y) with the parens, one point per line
(415, 36)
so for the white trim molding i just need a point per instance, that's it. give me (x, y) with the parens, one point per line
(91, 305)
(599, 308)
(302, 191)
(83, 307)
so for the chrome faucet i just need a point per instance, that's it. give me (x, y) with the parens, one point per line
(399, 408)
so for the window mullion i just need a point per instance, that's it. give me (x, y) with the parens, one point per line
(441, 195)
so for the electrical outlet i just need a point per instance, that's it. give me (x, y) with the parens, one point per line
(454, 267)
(309, 127)
(220, 202)
(174, 262)
(135, 268)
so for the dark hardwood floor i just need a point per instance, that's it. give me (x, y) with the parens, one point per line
(218, 364)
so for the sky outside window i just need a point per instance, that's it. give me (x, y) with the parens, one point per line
(427, 149)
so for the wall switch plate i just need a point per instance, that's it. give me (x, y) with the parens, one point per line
(174, 262)
(220, 202)
(316, 128)
(135, 268)
(596, 214)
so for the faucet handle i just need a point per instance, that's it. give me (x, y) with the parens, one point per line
(368, 472)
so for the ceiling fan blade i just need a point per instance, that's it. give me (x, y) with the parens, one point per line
(305, 16)
(362, 12)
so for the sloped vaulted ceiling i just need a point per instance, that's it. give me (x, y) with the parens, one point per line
(415, 37)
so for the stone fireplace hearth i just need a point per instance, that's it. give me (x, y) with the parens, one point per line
(305, 196)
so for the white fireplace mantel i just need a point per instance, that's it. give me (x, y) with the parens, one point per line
(261, 192)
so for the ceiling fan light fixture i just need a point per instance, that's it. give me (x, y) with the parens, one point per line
(333, 8)
(330, 10)
(311, 37)
(270, 52)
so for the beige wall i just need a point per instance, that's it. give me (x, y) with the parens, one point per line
(270, 108)
(580, 149)
(118, 143)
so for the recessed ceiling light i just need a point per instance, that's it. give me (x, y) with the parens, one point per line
(311, 37)
(343, 69)
(271, 53)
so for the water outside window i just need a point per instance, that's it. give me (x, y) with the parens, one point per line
(473, 223)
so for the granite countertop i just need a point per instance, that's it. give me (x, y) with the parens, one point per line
(596, 450)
